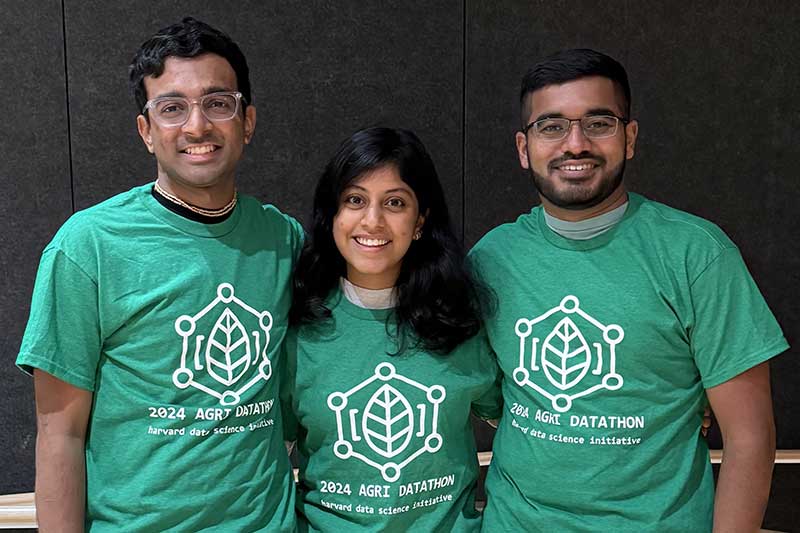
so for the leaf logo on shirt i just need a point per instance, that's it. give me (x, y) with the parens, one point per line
(565, 355)
(228, 349)
(388, 421)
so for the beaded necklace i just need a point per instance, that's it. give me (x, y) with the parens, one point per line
(222, 211)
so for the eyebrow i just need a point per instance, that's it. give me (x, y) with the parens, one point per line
(590, 113)
(395, 190)
(207, 90)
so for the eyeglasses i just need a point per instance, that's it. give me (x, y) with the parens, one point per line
(174, 111)
(593, 127)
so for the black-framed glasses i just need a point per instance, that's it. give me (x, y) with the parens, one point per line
(174, 111)
(592, 126)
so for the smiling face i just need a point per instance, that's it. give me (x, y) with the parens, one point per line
(377, 218)
(197, 161)
(578, 177)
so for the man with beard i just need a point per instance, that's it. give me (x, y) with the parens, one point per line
(617, 317)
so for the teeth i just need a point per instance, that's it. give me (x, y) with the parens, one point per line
(197, 150)
(585, 166)
(371, 242)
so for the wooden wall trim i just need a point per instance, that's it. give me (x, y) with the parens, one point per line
(19, 510)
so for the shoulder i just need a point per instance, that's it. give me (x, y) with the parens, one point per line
(673, 232)
(270, 217)
(683, 225)
(282, 218)
(497, 241)
(523, 226)
(87, 226)
(684, 243)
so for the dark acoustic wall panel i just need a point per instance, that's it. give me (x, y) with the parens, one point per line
(503, 39)
(716, 93)
(319, 70)
(34, 172)
(715, 90)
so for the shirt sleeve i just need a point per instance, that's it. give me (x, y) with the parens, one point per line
(62, 337)
(287, 380)
(298, 236)
(489, 403)
(733, 329)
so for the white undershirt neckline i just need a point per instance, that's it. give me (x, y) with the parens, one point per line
(368, 298)
(590, 228)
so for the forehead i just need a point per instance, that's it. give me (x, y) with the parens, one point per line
(575, 98)
(381, 179)
(192, 76)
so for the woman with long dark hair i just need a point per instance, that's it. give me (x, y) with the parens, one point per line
(386, 358)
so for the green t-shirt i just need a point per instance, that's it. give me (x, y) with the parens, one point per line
(385, 442)
(176, 328)
(606, 346)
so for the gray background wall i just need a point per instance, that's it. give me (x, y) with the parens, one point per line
(714, 88)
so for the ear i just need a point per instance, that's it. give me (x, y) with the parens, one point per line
(144, 132)
(631, 131)
(249, 123)
(420, 221)
(522, 149)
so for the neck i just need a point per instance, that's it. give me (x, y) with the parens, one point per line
(215, 196)
(384, 280)
(614, 200)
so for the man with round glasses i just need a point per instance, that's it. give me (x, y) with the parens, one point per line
(617, 317)
(157, 318)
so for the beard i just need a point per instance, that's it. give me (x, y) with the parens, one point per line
(579, 196)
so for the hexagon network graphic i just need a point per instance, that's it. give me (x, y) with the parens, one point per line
(228, 353)
(565, 359)
(387, 432)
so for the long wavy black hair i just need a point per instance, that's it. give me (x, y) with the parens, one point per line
(437, 299)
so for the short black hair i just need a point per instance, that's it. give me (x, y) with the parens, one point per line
(570, 65)
(188, 38)
(438, 305)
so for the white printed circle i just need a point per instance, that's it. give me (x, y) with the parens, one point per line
(613, 334)
(521, 376)
(229, 397)
(337, 401)
(265, 369)
(436, 394)
(225, 292)
(523, 327)
(265, 320)
(433, 442)
(612, 381)
(390, 472)
(569, 304)
(385, 371)
(182, 378)
(184, 325)
(562, 403)
(343, 449)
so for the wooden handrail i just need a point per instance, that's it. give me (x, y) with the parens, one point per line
(18, 511)
(781, 457)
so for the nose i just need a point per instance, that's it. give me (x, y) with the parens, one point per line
(373, 216)
(197, 124)
(576, 141)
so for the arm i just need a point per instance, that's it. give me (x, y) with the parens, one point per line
(62, 414)
(743, 408)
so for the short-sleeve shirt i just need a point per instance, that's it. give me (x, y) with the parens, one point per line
(607, 346)
(384, 441)
(176, 327)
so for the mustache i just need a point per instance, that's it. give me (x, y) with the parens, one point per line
(569, 156)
